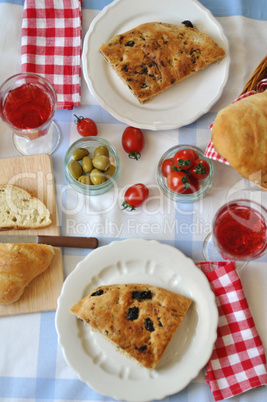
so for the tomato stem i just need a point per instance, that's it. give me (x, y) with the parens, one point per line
(184, 163)
(134, 155)
(126, 205)
(185, 182)
(80, 118)
(176, 169)
(200, 169)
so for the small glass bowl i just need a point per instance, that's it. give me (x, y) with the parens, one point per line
(205, 185)
(91, 143)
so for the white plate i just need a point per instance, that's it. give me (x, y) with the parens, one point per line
(97, 362)
(180, 104)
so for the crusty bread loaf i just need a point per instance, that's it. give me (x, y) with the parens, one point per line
(19, 210)
(155, 55)
(19, 265)
(239, 134)
(139, 319)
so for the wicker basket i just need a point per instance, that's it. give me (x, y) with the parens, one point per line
(259, 74)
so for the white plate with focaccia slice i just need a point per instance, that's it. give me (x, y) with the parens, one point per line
(97, 361)
(184, 101)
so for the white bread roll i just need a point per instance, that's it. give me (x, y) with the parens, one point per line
(19, 265)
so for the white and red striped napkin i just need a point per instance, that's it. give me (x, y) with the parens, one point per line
(210, 150)
(238, 361)
(51, 38)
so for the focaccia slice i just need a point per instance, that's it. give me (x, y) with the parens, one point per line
(155, 55)
(139, 319)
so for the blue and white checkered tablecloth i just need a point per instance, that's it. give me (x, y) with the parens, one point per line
(32, 366)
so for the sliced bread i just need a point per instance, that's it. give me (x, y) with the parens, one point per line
(20, 210)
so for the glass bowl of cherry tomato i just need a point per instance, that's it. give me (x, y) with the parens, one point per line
(92, 165)
(185, 174)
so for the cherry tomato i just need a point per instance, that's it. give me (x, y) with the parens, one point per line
(135, 196)
(196, 156)
(166, 167)
(193, 187)
(183, 159)
(133, 142)
(178, 181)
(85, 126)
(200, 169)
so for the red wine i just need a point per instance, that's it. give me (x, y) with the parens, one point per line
(27, 106)
(241, 231)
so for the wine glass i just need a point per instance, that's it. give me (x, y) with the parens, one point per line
(239, 233)
(28, 104)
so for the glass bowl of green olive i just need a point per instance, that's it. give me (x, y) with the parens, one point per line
(92, 165)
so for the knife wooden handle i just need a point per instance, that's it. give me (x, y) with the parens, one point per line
(68, 241)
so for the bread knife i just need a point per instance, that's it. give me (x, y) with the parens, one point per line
(56, 241)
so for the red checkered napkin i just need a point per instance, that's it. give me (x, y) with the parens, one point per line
(51, 46)
(238, 361)
(210, 150)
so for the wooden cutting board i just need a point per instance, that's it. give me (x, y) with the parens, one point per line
(35, 174)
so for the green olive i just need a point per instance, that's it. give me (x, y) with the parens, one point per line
(79, 153)
(110, 171)
(75, 169)
(112, 160)
(97, 177)
(85, 179)
(87, 164)
(101, 150)
(101, 162)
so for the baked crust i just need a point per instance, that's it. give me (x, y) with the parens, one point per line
(139, 319)
(154, 56)
(19, 265)
(239, 134)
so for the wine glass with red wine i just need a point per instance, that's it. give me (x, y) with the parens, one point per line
(28, 105)
(239, 232)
